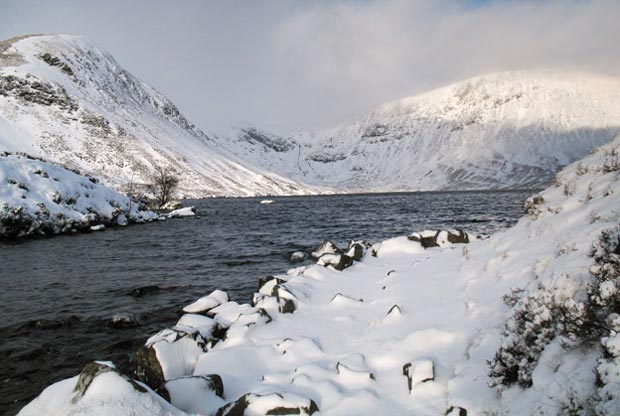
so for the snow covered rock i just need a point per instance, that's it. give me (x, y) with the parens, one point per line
(169, 354)
(201, 394)
(335, 261)
(182, 212)
(39, 198)
(171, 205)
(297, 257)
(123, 320)
(269, 404)
(439, 238)
(99, 390)
(325, 247)
(205, 304)
(357, 249)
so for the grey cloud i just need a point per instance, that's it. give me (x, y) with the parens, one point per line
(285, 65)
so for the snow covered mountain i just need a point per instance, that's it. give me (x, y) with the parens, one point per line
(504, 130)
(65, 99)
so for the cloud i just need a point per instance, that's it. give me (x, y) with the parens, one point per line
(359, 54)
(286, 65)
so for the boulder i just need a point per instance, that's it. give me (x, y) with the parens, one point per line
(91, 371)
(335, 261)
(123, 321)
(266, 284)
(169, 354)
(439, 238)
(206, 303)
(325, 247)
(269, 404)
(297, 257)
(182, 212)
(357, 249)
(198, 394)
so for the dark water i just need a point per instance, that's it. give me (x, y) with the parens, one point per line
(59, 294)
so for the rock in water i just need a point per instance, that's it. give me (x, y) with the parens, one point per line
(297, 257)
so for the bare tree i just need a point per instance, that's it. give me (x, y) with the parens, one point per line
(164, 183)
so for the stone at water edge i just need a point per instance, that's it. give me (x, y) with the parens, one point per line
(297, 257)
(182, 212)
(123, 321)
(439, 238)
(337, 261)
(171, 205)
(91, 371)
(169, 354)
(325, 247)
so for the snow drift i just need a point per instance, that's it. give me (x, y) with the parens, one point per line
(524, 322)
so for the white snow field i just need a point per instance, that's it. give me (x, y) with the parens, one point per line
(40, 198)
(503, 130)
(65, 99)
(521, 323)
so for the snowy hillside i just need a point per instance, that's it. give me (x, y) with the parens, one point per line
(65, 99)
(524, 322)
(39, 198)
(505, 130)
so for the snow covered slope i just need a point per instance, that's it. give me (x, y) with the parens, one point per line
(65, 99)
(513, 129)
(525, 322)
(39, 198)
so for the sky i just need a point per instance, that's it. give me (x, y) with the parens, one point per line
(298, 65)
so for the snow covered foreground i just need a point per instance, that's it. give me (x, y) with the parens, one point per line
(40, 198)
(531, 311)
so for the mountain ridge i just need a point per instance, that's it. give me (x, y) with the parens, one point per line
(69, 101)
(502, 130)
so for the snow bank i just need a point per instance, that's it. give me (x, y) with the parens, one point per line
(39, 198)
(429, 331)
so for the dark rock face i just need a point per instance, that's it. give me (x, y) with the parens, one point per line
(239, 407)
(148, 369)
(460, 237)
(54, 61)
(36, 92)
